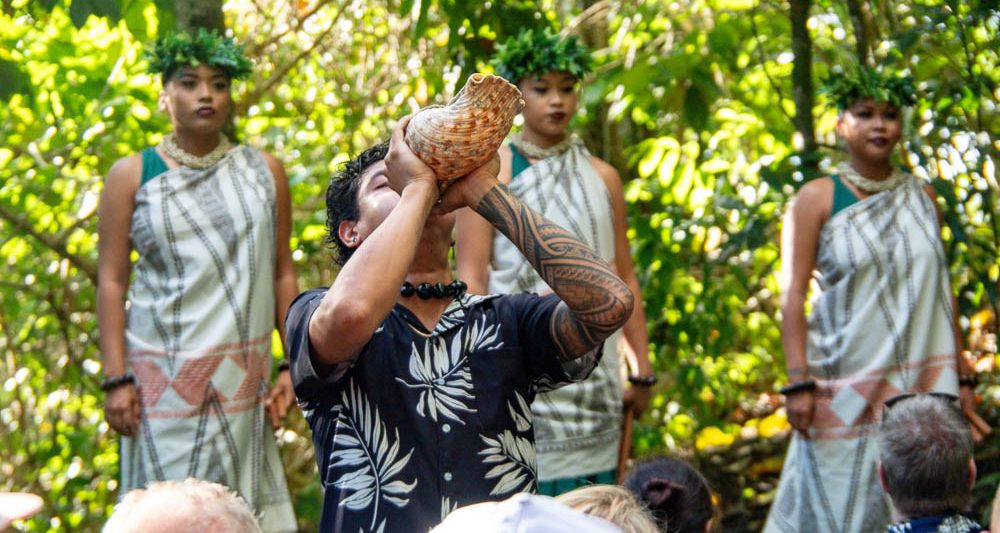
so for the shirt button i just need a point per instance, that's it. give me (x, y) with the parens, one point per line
(446, 428)
(447, 476)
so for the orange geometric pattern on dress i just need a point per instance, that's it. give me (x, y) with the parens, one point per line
(255, 374)
(196, 374)
(192, 380)
(152, 382)
(875, 388)
(230, 347)
(928, 377)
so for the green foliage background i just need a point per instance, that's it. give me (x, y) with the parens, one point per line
(691, 101)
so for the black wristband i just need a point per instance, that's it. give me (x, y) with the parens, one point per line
(114, 382)
(284, 365)
(798, 386)
(969, 380)
(643, 381)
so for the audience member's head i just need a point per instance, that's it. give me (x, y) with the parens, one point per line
(522, 513)
(182, 506)
(926, 455)
(614, 504)
(679, 497)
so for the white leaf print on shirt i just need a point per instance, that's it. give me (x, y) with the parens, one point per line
(523, 416)
(442, 372)
(514, 456)
(447, 507)
(370, 455)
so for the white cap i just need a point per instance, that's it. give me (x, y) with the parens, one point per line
(523, 513)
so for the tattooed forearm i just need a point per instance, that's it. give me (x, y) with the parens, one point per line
(597, 302)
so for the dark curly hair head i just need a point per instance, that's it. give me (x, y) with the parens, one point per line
(342, 197)
(678, 496)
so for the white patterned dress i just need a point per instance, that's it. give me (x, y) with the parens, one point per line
(578, 427)
(200, 319)
(881, 324)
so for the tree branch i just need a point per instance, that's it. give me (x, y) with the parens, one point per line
(763, 61)
(57, 244)
(259, 49)
(802, 86)
(861, 46)
(259, 91)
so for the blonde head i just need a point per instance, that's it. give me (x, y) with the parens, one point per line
(614, 504)
(175, 506)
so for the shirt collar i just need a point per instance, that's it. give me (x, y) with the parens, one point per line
(454, 314)
(955, 523)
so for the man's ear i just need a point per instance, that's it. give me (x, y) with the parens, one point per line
(349, 234)
(881, 478)
(161, 101)
(972, 473)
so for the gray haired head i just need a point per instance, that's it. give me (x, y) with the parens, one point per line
(925, 447)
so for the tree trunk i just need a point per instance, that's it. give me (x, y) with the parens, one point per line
(194, 14)
(802, 85)
(861, 47)
(599, 134)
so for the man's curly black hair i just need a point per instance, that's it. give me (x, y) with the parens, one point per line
(342, 197)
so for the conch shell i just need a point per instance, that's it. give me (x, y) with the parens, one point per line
(458, 138)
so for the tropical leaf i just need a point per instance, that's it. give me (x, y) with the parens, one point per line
(441, 370)
(370, 456)
(521, 413)
(447, 507)
(515, 461)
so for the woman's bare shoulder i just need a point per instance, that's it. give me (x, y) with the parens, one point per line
(814, 198)
(818, 189)
(125, 173)
(604, 169)
(609, 174)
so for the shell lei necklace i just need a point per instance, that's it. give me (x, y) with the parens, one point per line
(187, 159)
(846, 171)
(533, 151)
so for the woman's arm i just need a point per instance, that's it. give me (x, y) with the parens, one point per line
(285, 285)
(285, 288)
(474, 238)
(799, 244)
(473, 249)
(636, 335)
(114, 267)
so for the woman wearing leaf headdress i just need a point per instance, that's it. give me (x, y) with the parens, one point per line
(187, 360)
(882, 320)
(579, 427)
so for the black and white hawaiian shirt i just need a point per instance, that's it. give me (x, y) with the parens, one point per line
(422, 422)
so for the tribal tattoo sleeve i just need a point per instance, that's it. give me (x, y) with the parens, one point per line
(595, 302)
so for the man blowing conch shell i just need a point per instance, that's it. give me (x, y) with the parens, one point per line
(419, 394)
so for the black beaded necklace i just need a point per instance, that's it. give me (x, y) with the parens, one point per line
(434, 290)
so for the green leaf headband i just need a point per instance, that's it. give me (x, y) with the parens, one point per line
(847, 88)
(536, 52)
(180, 50)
